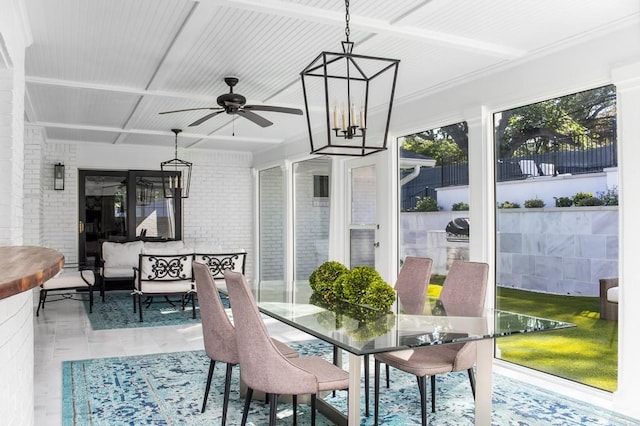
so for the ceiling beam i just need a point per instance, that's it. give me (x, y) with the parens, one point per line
(153, 132)
(376, 26)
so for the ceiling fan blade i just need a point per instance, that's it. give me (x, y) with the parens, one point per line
(188, 109)
(205, 118)
(260, 121)
(274, 109)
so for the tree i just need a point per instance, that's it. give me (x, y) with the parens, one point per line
(582, 119)
(443, 143)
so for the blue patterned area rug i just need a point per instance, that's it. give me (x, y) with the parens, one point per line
(167, 389)
(117, 312)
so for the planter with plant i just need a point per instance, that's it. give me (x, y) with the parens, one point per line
(508, 205)
(534, 203)
(461, 206)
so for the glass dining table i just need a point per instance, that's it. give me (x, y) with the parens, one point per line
(408, 324)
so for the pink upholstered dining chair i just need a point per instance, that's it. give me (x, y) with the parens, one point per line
(219, 333)
(463, 294)
(264, 368)
(411, 287)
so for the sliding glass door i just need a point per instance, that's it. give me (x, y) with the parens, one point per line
(123, 205)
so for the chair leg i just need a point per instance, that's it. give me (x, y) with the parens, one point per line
(313, 410)
(43, 296)
(227, 388)
(212, 365)
(90, 299)
(387, 374)
(376, 391)
(366, 385)
(140, 306)
(335, 362)
(247, 402)
(433, 393)
(294, 400)
(273, 408)
(472, 380)
(422, 385)
(193, 305)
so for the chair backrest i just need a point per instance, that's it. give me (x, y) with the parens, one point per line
(218, 263)
(262, 365)
(165, 267)
(412, 283)
(218, 332)
(464, 289)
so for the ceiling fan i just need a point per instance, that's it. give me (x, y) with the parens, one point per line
(234, 103)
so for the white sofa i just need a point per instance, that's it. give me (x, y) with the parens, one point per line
(118, 260)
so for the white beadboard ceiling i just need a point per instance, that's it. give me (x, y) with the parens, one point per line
(100, 71)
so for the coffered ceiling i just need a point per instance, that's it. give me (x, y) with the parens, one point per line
(101, 70)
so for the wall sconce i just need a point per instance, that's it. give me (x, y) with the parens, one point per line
(58, 177)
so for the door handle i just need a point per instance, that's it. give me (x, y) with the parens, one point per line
(376, 244)
(80, 227)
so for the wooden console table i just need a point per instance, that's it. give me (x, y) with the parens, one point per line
(25, 267)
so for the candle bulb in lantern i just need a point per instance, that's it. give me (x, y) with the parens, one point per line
(352, 118)
(344, 120)
(362, 125)
(335, 117)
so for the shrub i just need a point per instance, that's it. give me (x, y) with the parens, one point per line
(609, 198)
(563, 201)
(593, 201)
(534, 203)
(579, 198)
(461, 206)
(322, 279)
(427, 204)
(509, 205)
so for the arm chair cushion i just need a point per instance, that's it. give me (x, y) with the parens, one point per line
(163, 247)
(120, 258)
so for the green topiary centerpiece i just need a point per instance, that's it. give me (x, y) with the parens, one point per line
(357, 300)
(323, 278)
(363, 285)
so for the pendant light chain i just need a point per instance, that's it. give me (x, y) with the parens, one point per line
(347, 17)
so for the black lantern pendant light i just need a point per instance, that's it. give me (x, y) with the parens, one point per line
(176, 174)
(340, 89)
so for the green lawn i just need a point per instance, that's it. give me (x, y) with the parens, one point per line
(587, 353)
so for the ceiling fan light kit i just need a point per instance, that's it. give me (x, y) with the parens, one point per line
(339, 90)
(176, 174)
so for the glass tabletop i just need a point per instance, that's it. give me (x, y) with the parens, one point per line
(362, 331)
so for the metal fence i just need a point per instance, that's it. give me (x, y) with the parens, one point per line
(561, 158)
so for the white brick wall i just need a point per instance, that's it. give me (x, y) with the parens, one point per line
(311, 218)
(16, 358)
(272, 209)
(218, 214)
(33, 186)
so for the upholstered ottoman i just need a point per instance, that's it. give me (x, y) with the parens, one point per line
(66, 280)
